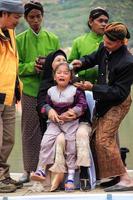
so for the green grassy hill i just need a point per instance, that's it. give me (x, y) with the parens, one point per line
(68, 18)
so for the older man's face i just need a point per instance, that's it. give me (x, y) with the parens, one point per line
(11, 20)
(112, 45)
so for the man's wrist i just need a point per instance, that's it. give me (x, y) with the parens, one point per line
(82, 61)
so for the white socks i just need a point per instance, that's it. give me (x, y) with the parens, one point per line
(71, 173)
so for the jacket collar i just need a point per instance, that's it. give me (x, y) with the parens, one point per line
(3, 37)
(120, 50)
(35, 34)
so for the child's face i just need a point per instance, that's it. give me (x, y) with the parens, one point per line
(58, 59)
(62, 76)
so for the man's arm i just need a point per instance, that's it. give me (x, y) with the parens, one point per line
(120, 88)
(85, 62)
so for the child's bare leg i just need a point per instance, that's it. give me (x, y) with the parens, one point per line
(82, 144)
(59, 163)
(58, 168)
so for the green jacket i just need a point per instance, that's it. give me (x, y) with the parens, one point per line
(84, 45)
(30, 46)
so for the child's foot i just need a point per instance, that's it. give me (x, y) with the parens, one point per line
(69, 186)
(56, 181)
(39, 175)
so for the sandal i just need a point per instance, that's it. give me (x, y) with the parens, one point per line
(69, 186)
(39, 175)
(85, 185)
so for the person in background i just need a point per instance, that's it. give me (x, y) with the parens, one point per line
(113, 100)
(32, 44)
(90, 41)
(86, 44)
(61, 99)
(10, 13)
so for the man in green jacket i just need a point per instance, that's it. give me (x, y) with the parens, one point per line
(89, 42)
(31, 44)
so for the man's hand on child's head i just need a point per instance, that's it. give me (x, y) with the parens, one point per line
(76, 64)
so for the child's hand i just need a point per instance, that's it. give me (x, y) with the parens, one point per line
(68, 115)
(63, 116)
(53, 116)
(72, 113)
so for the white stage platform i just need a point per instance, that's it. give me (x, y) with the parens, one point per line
(96, 194)
(85, 196)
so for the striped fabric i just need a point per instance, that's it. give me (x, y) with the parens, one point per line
(106, 152)
(31, 133)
